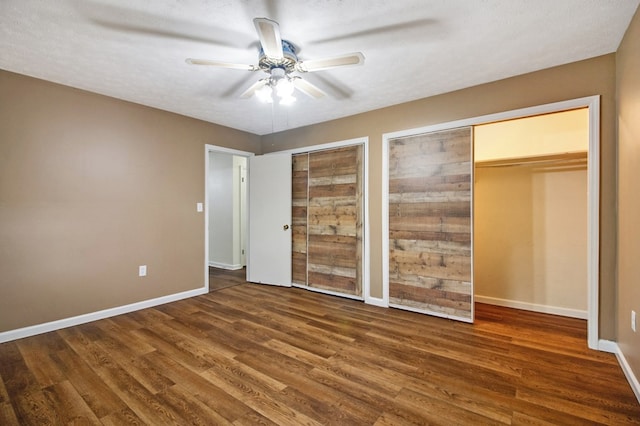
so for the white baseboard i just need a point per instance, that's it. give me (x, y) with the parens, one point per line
(545, 309)
(20, 333)
(231, 267)
(626, 369)
(375, 301)
(608, 346)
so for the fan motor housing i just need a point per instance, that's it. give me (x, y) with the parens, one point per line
(288, 61)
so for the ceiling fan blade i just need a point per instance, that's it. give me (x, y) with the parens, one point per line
(349, 59)
(421, 25)
(308, 88)
(254, 87)
(269, 35)
(134, 20)
(221, 64)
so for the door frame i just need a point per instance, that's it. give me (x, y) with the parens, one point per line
(593, 197)
(207, 150)
(364, 141)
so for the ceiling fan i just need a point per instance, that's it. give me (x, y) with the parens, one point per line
(278, 59)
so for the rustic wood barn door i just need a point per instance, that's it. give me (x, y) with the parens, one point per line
(430, 204)
(327, 215)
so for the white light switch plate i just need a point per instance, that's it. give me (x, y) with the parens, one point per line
(200, 207)
(142, 270)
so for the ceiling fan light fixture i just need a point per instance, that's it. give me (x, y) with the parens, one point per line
(279, 60)
(284, 88)
(265, 94)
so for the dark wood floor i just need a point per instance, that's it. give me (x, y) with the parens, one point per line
(253, 354)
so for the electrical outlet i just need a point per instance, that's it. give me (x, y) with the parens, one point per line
(142, 270)
(633, 321)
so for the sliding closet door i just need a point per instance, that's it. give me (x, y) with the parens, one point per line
(430, 186)
(299, 198)
(333, 219)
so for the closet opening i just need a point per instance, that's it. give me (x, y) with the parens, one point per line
(530, 213)
(552, 246)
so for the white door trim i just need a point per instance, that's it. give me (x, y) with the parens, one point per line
(208, 149)
(593, 173)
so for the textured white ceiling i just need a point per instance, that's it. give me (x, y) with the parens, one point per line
(135, 49)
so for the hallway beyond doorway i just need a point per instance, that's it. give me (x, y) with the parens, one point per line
(222, 278)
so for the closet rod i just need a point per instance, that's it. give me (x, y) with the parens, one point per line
(565, 158)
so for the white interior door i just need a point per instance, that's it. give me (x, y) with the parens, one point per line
(269, 257)
(243, 214)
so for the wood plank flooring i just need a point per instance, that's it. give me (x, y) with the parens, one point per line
(261, 355)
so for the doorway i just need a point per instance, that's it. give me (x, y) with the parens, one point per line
(225, 210)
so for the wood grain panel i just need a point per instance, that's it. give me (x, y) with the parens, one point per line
(333, 250)
(299, 267)
(433, 224)
(436, 183)
(336, 162)
(299, 202)
(430, 183)
(333, 281)
(398, 236)
(334, 230)
(324, 193)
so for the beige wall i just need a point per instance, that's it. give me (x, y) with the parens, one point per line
(591, 77)
(562, 132)
(90, 188)
(530, 228)
(628, 87)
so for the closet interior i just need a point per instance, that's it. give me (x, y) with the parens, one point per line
(530, 213)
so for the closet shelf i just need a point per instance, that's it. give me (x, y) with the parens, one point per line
(550, 159)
